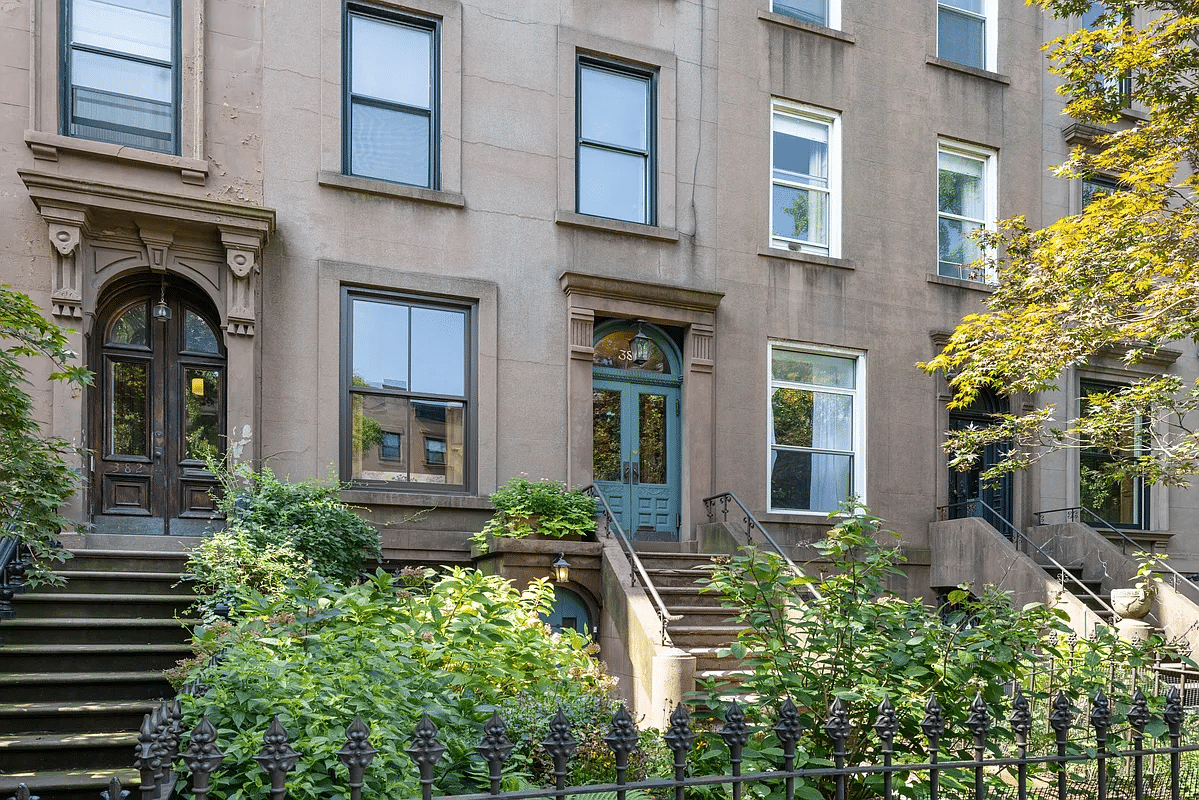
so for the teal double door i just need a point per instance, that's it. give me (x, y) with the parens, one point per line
(636, 452)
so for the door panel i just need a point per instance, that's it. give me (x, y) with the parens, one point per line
(157, 413)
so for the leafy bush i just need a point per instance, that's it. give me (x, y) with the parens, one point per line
(275, 532)
(859, 643)
(524, 507)
(387, 650)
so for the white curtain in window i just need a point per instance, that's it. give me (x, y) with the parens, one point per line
(832, 429)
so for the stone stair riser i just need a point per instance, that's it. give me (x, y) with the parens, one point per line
(98, 719)
(107, 560)
(68, 754)
(121, 583)
(84, 689)
(25, 631)
(84, 606)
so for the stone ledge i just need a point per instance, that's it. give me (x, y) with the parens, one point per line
(965, 69)
(363, 496)
(806, 258)
(401, 191)
(47, 146)
(571, 219)
(807, 27)
(961, 283)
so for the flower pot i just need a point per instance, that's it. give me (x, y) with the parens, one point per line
(1131, 603)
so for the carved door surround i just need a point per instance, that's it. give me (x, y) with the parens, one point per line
(694, 310)
(100, 233)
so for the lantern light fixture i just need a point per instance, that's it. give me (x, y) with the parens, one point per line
(560, 569)
(161, 311)
(641, 346)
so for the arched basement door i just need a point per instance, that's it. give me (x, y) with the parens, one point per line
(636, 412)
(157, 410)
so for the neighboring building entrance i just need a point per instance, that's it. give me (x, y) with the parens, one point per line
(157, 409)
(969, 484)
(636, 407)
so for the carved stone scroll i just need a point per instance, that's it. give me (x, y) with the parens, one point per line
(65, 228)
(242, 250)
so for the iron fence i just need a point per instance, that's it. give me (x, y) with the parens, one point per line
(1085, 755)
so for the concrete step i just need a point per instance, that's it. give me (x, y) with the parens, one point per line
(700, 615)
(667, 560)
(99, 631)
(63, 658)
(45, 687)
(34, 752)
(39, 605)
(708, 658)
(680, 576)
(689, 636)
(119, 582)
(111, 716)
(690, 595)
(127, 560)
(75, 784)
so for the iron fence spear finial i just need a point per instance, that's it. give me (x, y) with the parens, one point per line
(202, 757)
(425, 751)
(495, 749)
(277, 757)
(357, 754)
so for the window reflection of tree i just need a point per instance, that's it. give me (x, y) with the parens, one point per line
(606, 434)
(653, 438)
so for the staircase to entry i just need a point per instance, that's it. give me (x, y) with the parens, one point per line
(82, 664)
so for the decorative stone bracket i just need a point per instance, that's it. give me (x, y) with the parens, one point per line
(65, 204)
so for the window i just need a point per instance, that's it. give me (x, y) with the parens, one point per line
(614, 159)
(965, 204)
(1117, 87)
(390, 119)
(1096, 187)
(966, 32)
(805, 161)
(121, 73)
(407, 381)
(815, 414)
(817, 12)
(1120, 500)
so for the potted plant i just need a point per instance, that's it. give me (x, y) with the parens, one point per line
(545, 508)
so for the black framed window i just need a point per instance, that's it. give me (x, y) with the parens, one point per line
(120, 72)
(391, 88)
(1119, 497)
(407, 398)
(615, 168)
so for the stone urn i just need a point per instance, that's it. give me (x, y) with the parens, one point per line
(1132, 603)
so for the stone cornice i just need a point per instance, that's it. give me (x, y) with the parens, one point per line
(577, 283)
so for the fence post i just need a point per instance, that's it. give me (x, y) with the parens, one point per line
(886, 726)
(1138, 718)
(979, 724)
(621, 740)
(735, 734)
(425, 751)
(277, 758)
(1101, 720)
(1173, 716)
(201, 757)
(357, 754)
(933, 726)
(787, 731)
(495, 749)
(679, 738)
(837, 728)
(1059, 720)
(1021, 722)
(560, 744)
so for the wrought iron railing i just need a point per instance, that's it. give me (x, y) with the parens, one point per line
(751, 524)
(639, 573)
(1012, 534)
(1074, 514)
(14, 563)
(1082, 760)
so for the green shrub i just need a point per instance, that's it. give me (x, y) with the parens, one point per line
(275, 532)
(387, 650)
(524, 507)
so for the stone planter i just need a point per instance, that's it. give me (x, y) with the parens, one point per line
(1132, 603)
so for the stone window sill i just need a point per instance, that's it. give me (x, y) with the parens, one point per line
(364, 496)
(807, 27)
(47, 146)
(954, 66)
(353, 183)
(960, 283)
(571, 219)
(805, 258)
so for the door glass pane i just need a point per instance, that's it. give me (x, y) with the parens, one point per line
(438, 351)
(201, 413)
(129, 408)
(788, 365)
(198, 335)
(651, 416)
(605, 459)
(380, 345)
(809, 481)
(615, 352)
(130, 328)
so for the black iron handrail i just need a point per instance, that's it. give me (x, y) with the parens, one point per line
(1062, 571)
(1125, 541)
(639, 571)
(13, 565)
(751, 522)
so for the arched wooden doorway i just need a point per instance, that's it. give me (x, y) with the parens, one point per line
(157, 410)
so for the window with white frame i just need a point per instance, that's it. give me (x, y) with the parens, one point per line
(390, 97)
(816, 421)
(120, 82)
(615, 164)
(805, 205)
(407, 385)
(965, 204)
(817, 12)
(967, 32)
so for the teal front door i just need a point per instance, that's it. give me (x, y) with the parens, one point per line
(636, 414)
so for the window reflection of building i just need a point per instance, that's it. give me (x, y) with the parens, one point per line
(1118, 499)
